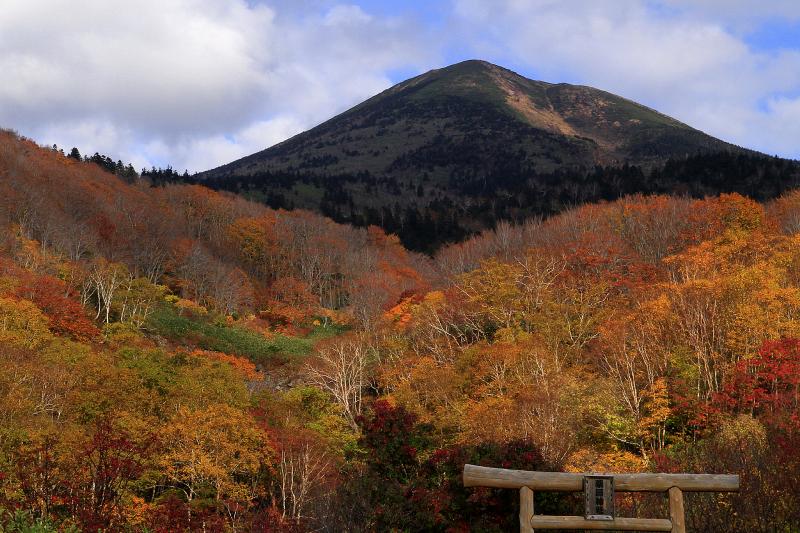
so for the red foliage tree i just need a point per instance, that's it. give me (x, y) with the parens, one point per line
(766, 386)
(172, 514)
(67, 316)
(108, 462)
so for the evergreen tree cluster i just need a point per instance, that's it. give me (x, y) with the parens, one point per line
(162, 176)
(428, 213)
(157, 176)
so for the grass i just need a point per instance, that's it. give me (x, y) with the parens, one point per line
(214, 335)
(326, 331)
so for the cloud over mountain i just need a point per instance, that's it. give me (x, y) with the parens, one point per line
(197, 83)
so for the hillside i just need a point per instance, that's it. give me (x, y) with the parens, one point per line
(447, 153)
(175, 359)
(228, 255)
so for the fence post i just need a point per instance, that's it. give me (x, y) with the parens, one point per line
(676, 514)
(525, 510)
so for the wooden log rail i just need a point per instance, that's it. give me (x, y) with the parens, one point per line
(527, 482)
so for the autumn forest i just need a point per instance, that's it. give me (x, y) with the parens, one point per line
(174, 358)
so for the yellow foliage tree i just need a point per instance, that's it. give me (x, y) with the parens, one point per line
(218, 449)
(22, 324)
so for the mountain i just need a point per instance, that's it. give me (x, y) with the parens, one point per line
(453, 150)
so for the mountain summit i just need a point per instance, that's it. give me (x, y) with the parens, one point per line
(479, 107)
(455, 149)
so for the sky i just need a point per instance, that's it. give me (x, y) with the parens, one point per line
(199, 83)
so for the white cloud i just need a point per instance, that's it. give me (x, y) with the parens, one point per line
(741, 15)
(149, 64)
(682, 61)
(189, 82)
(781, 125)
(346, 15)
(207, 152)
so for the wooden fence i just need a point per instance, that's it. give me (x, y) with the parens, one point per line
(527, 482)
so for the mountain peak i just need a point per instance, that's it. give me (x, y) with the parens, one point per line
(576, 111)
(469, 65)
(474, 73)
